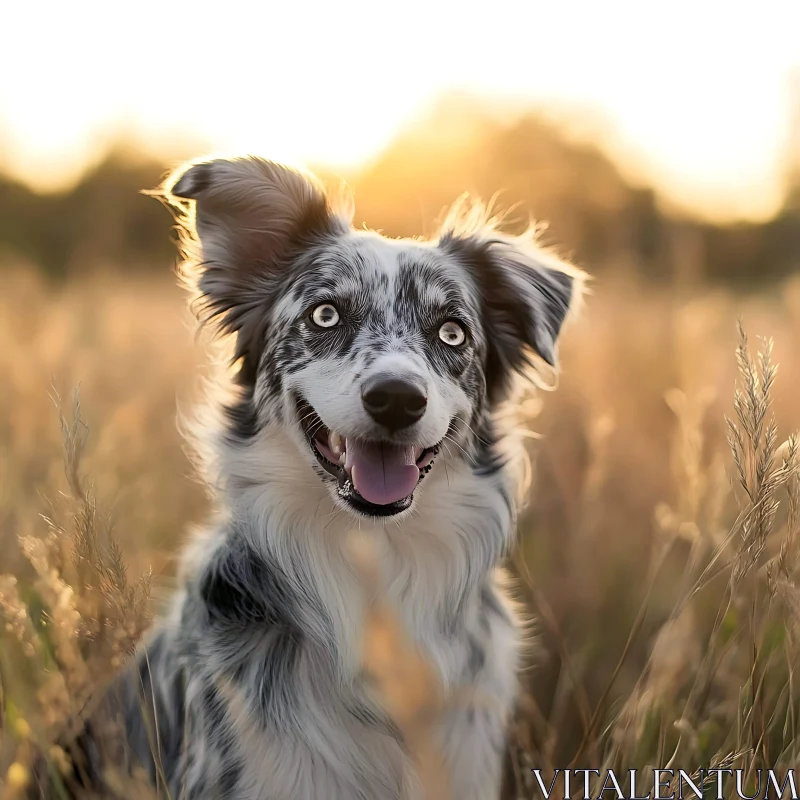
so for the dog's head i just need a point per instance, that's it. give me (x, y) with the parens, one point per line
(374, 352)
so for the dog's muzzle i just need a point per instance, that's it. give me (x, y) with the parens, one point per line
(376, 478)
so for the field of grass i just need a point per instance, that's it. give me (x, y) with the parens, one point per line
(658, 553)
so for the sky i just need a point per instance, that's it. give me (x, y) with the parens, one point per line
(696, 95)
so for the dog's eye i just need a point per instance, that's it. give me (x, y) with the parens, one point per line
(452, 333)
(325, 316)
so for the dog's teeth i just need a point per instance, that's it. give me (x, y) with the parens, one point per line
(335, 444)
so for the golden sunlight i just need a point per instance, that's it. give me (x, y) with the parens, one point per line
(697, 95)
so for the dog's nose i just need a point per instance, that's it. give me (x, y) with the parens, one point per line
(394, 402)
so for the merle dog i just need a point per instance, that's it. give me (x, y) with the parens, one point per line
(367, 383)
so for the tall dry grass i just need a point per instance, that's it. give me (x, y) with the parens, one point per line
(659, 552)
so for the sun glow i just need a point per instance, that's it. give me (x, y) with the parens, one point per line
(696, 95)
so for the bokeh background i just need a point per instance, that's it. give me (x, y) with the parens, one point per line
(661, 145)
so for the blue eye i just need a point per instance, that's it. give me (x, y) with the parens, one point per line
(325, 316)
(451, 333)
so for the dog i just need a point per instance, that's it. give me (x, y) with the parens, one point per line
(367, 384)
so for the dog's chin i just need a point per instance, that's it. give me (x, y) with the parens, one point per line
(331, 453)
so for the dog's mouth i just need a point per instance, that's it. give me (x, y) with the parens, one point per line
(376, 478)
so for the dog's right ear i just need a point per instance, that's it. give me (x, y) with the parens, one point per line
(244, 219)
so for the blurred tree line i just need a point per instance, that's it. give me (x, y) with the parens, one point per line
(594, 214)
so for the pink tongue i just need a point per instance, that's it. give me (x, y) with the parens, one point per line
(381, 473)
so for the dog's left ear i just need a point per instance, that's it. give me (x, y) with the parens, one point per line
(526, 295)
(531, 296)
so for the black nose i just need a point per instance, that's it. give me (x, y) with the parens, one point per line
(394, 402)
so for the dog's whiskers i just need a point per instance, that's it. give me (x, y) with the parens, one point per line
(448, 441)
(472, 430)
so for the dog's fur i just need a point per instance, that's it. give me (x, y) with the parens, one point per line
(251, 686)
